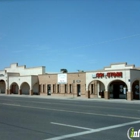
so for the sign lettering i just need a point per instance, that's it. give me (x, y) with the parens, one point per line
(109, 74)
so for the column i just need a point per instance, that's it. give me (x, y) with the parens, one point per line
(96, 89)
(46, 89)
(55, 88)
(106, 94)
(88, 94)
(129, 96)
(19, 92)
(8, 91)
(139, 90)
(61, 88)
(73, 88)
(31, 92)
(51, 88)
(68, 88)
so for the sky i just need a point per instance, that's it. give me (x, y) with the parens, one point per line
(72, 34)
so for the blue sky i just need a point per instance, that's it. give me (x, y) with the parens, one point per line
(72, 34)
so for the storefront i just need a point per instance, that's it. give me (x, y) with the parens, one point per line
(20, 80)
(63, 84)
(119, 81)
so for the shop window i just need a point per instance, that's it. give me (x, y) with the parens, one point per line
(65, 88)
(53, 88)
(78, 89)
(43, 88)
(91, 88)
(57, 88)
(39, 88)
(70, 87)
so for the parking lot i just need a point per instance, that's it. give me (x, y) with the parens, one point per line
(55, 119)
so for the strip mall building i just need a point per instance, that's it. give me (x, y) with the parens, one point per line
(118, 81)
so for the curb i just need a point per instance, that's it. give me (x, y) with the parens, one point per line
(75, 99)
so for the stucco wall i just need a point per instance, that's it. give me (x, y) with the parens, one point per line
(106, 80)
(25, 71)
(73, 79)
(119, 66)
(31, 80)
(135, 75)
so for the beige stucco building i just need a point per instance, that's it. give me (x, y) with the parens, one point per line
(118, 81)
(20, 80)
(65, 84)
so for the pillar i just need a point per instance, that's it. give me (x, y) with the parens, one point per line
(8, 91)
(88, 94)
(139, 89)
(51, 88)
(73, 88)
(106, 94)
(61, 88)
(31, 92)
(96, 88)
(68, 88)
(129, 96)
(46, 89)
(55, 88)
(19, 92)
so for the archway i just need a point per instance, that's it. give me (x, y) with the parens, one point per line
(2, 87)
(135, 90)
(36, 89)
(96, 89)
(25, 88)
(118, 89)
(14, 88)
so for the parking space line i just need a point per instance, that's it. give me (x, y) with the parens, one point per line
(92, 131)
(11, 104)
(71, 126)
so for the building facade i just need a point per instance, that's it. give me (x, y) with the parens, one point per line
(65, 84)
(118, 81)
(20, 80)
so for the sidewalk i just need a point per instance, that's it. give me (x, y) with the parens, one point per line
(74, 98)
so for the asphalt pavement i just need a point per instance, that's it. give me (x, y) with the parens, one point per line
(36, 118)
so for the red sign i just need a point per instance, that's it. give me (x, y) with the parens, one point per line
(109, 74)
(100, 75)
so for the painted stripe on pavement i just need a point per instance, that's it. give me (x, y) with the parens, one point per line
(71, 126)
(11, 104)
(91, 106)
(92, 131)
(77, 112)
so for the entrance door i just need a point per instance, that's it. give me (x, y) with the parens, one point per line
(78, 90)
(13, 90)
(135, 89)
(49, 89)
(116, 91)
